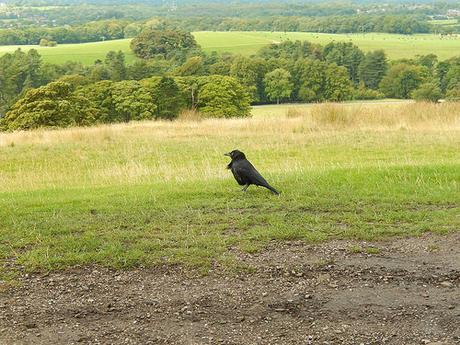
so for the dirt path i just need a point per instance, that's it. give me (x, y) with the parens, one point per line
(408, 293)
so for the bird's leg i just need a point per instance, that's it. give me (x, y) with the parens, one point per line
(245, 188)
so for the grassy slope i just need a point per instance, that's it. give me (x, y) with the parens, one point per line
(396, 46)
(146, 193)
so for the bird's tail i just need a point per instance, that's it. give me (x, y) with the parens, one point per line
(273, 190)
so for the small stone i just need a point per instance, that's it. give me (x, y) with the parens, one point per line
(446, 284)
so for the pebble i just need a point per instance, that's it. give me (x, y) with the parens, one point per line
(447, 284)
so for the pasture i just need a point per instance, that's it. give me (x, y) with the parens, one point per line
(247, 43)
(152, 193)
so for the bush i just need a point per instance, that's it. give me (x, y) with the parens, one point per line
(362, 93)
(47, 43)
(427, 92)
(453, 94)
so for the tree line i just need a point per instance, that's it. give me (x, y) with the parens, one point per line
(72, 102)
(396, 24)
(216, 85)
(89, 32)
(117, 29)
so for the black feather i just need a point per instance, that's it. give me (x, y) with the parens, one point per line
(245, 173)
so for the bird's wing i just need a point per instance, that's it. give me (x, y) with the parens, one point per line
(247, 171)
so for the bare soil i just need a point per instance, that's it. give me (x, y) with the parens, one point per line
(407, 292)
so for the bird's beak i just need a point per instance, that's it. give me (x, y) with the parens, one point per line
(227, 154)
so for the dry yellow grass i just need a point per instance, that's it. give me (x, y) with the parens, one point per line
(325, 116)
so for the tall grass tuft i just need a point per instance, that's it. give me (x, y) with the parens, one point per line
(190, 115)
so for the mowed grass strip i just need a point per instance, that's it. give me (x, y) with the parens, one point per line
(248, 43)
(158, 192)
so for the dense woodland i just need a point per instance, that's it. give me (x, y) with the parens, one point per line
(172, 75)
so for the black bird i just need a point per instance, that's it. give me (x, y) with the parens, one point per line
(245, 173)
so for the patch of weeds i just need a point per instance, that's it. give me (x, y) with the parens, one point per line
(432, 248)
(355, 249)
(372, 250)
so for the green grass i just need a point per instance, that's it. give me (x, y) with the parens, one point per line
(85, 53)
(247, 43)
(396, 46)
(443, 22)
(150, 193)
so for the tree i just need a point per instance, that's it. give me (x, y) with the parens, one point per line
(131, 101)
(402, 79)
(372, 68)
(250, 72)
(168, 98)
(429, 60)
(427, 92)
(19, 71)
(53, 105)
(345, 54)
(309, 80)
(193, 66)
(115, 65)
(100, 94)
(152, 42)
(290, 50)
(222, 96)
(337, 86)
(278, 84)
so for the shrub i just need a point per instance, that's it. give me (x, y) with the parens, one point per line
(427, 92)
(363, 93)
(47, 43)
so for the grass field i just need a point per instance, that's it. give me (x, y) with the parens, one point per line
(396, 46)
(444, 22)
(85, 53)
(158, 192)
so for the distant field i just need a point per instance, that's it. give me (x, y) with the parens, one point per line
(247, 43)
(86, 53)
(444, 22)
(158, 192)
(396, 46)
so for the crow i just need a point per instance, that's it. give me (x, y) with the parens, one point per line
(245, 173)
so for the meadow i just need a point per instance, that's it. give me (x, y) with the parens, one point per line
(148, 193)
(247, 43)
